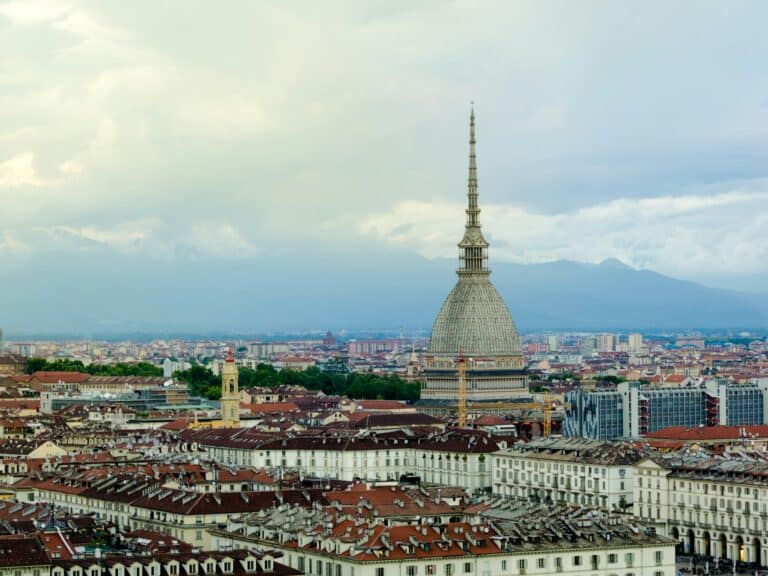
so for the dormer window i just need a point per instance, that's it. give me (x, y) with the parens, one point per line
(192, 568)
(267, 564)
(226, 566)
(210, 568)
(249, 565)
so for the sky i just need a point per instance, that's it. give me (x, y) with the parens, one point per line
(253, 132)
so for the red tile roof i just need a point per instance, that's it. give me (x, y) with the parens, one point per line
(380, 404)
(271, 407)
(54, 377)
(709, 433)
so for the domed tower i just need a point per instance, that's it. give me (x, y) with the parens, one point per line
(474, 322)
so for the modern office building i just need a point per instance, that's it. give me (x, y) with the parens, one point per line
(631, 410)
(474, 322)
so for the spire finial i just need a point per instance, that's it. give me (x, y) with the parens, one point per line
(472, 209)
(473, 247)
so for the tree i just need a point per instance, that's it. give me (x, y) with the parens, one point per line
(68, 365)
(35, 365)
(201, 381)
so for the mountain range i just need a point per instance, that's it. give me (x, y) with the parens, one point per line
(99, 293)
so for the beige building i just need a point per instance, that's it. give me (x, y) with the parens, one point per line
(710, 506)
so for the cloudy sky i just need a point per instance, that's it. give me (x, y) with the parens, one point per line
(243, 131)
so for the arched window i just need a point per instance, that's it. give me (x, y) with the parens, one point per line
(232, 385)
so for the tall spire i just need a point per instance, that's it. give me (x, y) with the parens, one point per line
(473, 248)
(472, 210)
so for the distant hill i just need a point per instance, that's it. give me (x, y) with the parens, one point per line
(96, 293)
(610, 295)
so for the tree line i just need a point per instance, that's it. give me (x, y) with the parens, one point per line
(203, 382)
(68, 365)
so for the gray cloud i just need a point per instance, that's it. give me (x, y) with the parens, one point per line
(226, 131)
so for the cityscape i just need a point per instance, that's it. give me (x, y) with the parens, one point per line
(260, 317)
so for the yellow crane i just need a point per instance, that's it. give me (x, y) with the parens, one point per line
(462, 408)
(545, 406)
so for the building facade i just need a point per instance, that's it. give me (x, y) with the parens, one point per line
(559, 470)
(449, 458)
(632, 410)
(713, 507)
(558, 543)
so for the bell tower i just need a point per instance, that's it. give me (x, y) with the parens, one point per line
(230, 396)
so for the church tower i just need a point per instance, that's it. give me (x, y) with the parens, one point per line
(230, 396)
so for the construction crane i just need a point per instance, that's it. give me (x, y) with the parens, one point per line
(462, 408)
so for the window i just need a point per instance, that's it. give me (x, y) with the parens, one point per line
(449, 570)
(629, 559)
(503, 565)
(558, 564)
(411, 570)
(612, 558)
(521, 563)
(467, 567)
(430, 569)
(659, 556)
(577, 560)
(379, 571)
(541, 563)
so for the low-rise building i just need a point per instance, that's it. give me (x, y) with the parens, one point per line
(512, 542)
(567, 470)
(454, 457)
(712, 506)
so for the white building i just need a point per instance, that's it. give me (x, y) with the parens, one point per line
(451, 458)
(714, 507)
(635, 342)
(567, 470)
(170, 367)
(560, 541)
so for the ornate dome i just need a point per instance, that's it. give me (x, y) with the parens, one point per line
(474, 320)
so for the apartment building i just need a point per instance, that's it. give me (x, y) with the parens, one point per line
(132, 503)
(712, 506)
(453, 458)
(568, 470)
(527, 541)
(207, 563)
